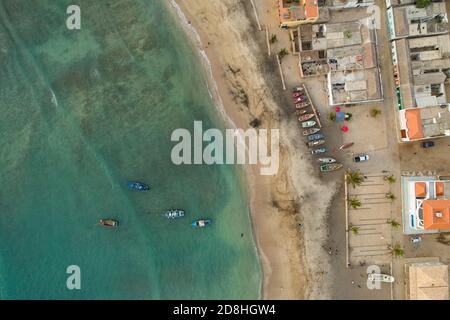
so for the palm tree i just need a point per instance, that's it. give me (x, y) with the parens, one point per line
(273, 38)
(422, 3)
(375, 113)
(397, 250)
(390, 196)
(393, 223)
(354, 202)
(353, 229)
(282, 53)
(391, 179)
(355, 178)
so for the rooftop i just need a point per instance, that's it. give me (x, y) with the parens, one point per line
(426, 205)
(427, 280)
(423, 123)
(410, 21)
(293, 13)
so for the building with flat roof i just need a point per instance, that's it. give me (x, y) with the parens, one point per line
(422, 83)
(347, 4)
(410, 21)
(294, 13)
(426, 279)
(426, 204)
(347, 54)
(395, 3)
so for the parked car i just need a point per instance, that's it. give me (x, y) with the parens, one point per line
(361, 158)
(427, 144)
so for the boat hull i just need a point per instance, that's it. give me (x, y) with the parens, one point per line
(316, 143)
(330, 167)
(308, 124)
(306, 117)
(174, 214)
(307, 132)
(201, 223)
(109, 223)
(137, 186)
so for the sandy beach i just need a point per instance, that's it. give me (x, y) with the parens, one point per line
(293, 260)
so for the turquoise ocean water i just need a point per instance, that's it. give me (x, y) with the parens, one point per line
(84, 111)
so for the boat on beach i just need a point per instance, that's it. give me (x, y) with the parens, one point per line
(345, 146)
(298, 89)
(308, 124)
(302, 111)
(326, 160)
(315, 143)
(318, 151)
(315, 136)
(306, 117)
(201, 223)
(330, 167)
(173, 214)
(111, 223)
(302, 105)
(378, 277)
(138, 186)
(307, 132)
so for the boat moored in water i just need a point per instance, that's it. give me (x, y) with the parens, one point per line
(109, 223)
(330, 167)
(174, 214)
(201, 223)
(138, 186)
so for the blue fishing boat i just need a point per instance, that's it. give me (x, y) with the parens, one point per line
(138, 186)
(201, 223)
(174, 214)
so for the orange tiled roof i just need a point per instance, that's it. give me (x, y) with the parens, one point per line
(436, 214)
(311, 8)
(414, 124)
(421, 189)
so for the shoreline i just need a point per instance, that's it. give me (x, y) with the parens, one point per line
(281, 253)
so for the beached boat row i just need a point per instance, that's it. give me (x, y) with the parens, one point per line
(310, 123)
(169, 214)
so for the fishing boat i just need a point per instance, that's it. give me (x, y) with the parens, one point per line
(378, 277)
(330, 167)
(302, 111)
(302, 105)
(109, 223)
(308, 124)
(300, 99)
(297, 94)
(315, 143)
(306, 117)
(173, 214)
(201, 223)
(345, 146)
(138, 186)
(298, 89)
(315, 136)
(307, 132)
(318, 151)
(326, 160)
